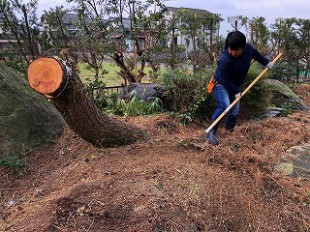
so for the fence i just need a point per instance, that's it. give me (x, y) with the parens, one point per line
(108, 90)
(304, 75)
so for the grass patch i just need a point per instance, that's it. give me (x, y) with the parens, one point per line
(12, 161)
(134, 106)
(111, 76)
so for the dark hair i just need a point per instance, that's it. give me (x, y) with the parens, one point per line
(235, 40)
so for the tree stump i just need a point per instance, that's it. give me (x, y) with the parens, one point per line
(55, 80)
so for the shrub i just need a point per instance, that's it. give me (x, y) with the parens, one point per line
(17, 62)
(286, 110)
(185, 92)
(284, 71)
(95, 89)
(258, 97)
(12, 161)
(182, 88)
(134, 106)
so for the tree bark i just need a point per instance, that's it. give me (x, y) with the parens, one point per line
(79, 110)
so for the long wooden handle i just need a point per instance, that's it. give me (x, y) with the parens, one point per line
(242, 94)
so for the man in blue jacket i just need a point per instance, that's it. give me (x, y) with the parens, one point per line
(233, 66)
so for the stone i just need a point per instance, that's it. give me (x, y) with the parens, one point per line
(296, 162)
(283, 96)
(144, 91)
(271, 112)
(27, 119)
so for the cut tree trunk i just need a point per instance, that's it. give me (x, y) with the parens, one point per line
(55, 80)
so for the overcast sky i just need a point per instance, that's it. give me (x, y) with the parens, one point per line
(269, 9)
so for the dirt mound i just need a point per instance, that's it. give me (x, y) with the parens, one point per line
(171, 182)
(303, 90)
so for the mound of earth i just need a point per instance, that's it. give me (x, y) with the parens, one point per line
(172, 182)
(303, 90)
(168, 183)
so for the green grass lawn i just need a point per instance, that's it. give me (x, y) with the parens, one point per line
(112, 77)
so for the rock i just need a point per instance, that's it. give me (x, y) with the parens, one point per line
(283, 96)
(145, 91)
(272, 112)
(27, 119)
(296, 162)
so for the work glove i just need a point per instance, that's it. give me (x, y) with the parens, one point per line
(269, 65)
(238, 95)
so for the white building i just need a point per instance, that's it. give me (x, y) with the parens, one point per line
(204, 32)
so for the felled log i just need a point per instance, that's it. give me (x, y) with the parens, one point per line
(47, 76)
(54, 79)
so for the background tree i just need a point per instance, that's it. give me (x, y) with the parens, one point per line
(212, 43)
(258, 34)
(174, 49)
(91, 44)
(198, 28)
(20, 22)
(138, 25)
(90, 41)
(303, 45)
(55, 34)
(189, 26)
(237, 22)
(281, 32)
(284, 38)
(123, 32)
(153, 27)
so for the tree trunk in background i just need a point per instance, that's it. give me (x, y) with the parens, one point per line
(79, 111)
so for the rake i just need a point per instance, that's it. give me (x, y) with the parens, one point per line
(242, 94)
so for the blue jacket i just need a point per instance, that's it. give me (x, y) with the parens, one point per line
(231, 71)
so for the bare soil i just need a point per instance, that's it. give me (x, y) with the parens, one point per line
(174, 181)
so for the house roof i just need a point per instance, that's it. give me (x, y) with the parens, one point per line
(70, 17)
(126, 21)
(200, 11)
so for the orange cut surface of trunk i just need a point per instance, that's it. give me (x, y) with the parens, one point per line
(45, 75)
